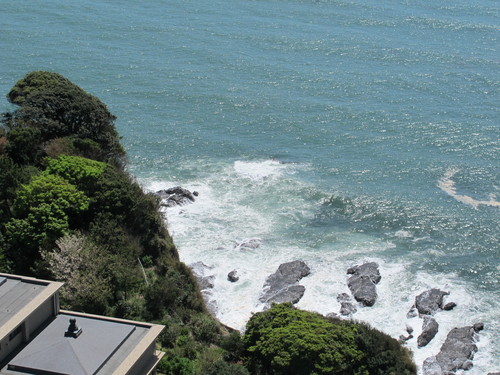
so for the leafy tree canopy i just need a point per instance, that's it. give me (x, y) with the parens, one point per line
(60, 108)
(42, 211)
(77, 170)
(285, 340)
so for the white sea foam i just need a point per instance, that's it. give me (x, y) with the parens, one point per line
(259, 170)
(252, 200)
(447, 184)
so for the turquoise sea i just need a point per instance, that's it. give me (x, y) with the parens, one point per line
(333, 131)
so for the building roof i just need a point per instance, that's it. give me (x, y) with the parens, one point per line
(19, 297)
(105, 346)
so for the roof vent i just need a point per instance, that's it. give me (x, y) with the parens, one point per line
(73, 330)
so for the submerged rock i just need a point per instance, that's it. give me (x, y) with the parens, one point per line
(282, 285)
(248, 244)
(428, 302)
(456, 353)
(429, 329)
(176, 196)
(362, 282)
(412, 313)
(346, 306)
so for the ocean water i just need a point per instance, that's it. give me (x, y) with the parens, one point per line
(336, 132)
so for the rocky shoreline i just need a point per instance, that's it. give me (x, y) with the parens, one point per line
(455, 354)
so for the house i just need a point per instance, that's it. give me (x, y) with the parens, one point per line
(36, 337)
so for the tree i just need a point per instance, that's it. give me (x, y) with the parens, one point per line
(77, 170)
(59, 108)
(285, 340)
(42, 212)
(82, 266)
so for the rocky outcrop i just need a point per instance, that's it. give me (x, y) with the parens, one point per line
(456, 353)
(233, 276)
(176, 196)
(205, 280)
(430, 301)
(282, 285)
(346, 306)
(362, 282)
(200, 272)
(429, 329)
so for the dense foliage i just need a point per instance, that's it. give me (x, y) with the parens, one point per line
(285, 340)
(69, 211)
(52, 108)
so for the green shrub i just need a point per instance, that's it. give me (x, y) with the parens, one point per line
(176, 366)
(23, 145)
(204, 328)
(285, 340)
(223, 368)
(384, 355)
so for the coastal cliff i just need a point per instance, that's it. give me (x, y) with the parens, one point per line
(69, 211)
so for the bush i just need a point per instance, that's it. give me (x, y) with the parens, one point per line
(384, 355)
(176, 366)
(23, 145)
(285, 340)
(223, 368)
(204, 328)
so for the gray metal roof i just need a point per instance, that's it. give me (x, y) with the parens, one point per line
(15, 294)
(53, 353)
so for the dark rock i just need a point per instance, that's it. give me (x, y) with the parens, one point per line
(478, 327)
(362, 282)
(343, 297)
(205, 282)
(403, 338)
(292, 294)
(367, 269)
(428, 302)
(346, 307)
(449, 306)
(248, 244)
(456, 353)
(233, 276)
(282, 286)
(493, 373)
(429, 329)
(175, 196)
(332, 315)
(409, 329)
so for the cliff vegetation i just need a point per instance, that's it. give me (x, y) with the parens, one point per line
(69, 211)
